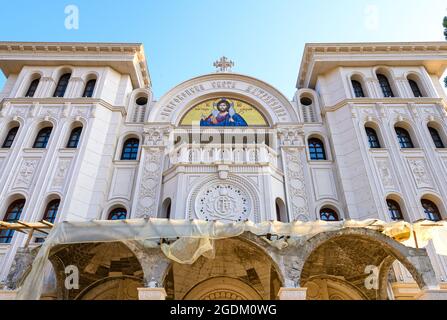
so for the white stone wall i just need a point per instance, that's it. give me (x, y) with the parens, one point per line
(92, 180)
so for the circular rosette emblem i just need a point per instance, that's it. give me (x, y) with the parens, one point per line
(223, 202)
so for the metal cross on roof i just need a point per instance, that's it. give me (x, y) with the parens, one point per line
(223, 64)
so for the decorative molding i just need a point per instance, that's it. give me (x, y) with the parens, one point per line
(295, 184)
(26, 173)
(61, 173)
(150, 182)
(420, 173)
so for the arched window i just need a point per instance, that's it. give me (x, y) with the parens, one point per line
(75, 136)
(394, 210)
(118, 214)
(358, 89)
(89, 88)
(166, 208)
(415, 88)
(10, 137)
(51, 210)
(62, 85)
(32, 88)
(431, 210)
(130, 149)
(12, 215)
(281, 213)
(42, 138)
(327, 214)
(385, 86)
(436, 138)
(316, 149)
(404, 138)
(373, 139)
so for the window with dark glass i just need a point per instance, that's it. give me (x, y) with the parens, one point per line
(62, 85)
(89, 88)
(32, 88)
(130, 149)
(327, 214)
(358, 89)
(436, 137)
(51, 211)
(316, 149)
(373, 139)
(385, 86)
(10, 137)
(415, 88)
(75, 136)
(431, 210)
(118, 214)
(404, 138)
(394, 210)
(12, 215)
(42, 138)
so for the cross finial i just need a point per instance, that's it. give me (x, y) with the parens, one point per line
(223, 64)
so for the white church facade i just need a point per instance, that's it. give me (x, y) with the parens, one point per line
(82, 138)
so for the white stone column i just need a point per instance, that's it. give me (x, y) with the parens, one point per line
(45, 88)
(8, 294)
(151, 294)
(292, 293)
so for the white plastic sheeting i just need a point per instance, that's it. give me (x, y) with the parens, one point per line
(195, 238)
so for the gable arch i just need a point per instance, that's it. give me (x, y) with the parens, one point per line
(270, 102)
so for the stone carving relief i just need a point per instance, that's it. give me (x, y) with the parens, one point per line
(61, 173)
(50, 112)
(295, 185)
(291, 136)
(385, 173)
(155, 136)
(20, 112)
(150, 182)
(420, 173)
(223, 202)
(83, 112)
(26, 173)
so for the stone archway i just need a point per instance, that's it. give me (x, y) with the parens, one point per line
(351, 255)
(107, 271)
(239, 269)
(223, 288)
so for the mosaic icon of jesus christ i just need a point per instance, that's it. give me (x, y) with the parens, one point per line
(223, 116)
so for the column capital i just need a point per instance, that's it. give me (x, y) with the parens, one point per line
(8, 294)
(292, 293)
(152, 294)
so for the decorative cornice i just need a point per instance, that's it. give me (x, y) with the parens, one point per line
(117, 55)
(63, 101)
(367, 50)
(383, 102)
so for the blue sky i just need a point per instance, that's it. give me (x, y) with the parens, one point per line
(265, 38)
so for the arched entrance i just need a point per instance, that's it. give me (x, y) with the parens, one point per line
(354, 263)
(223, 288)
(239, 270)
(107, 271)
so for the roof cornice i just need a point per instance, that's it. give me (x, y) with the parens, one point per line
(65, 52)
(372, 51)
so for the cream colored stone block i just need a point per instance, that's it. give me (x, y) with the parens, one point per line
(8, 294)
(292, 294)
(151, 294)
